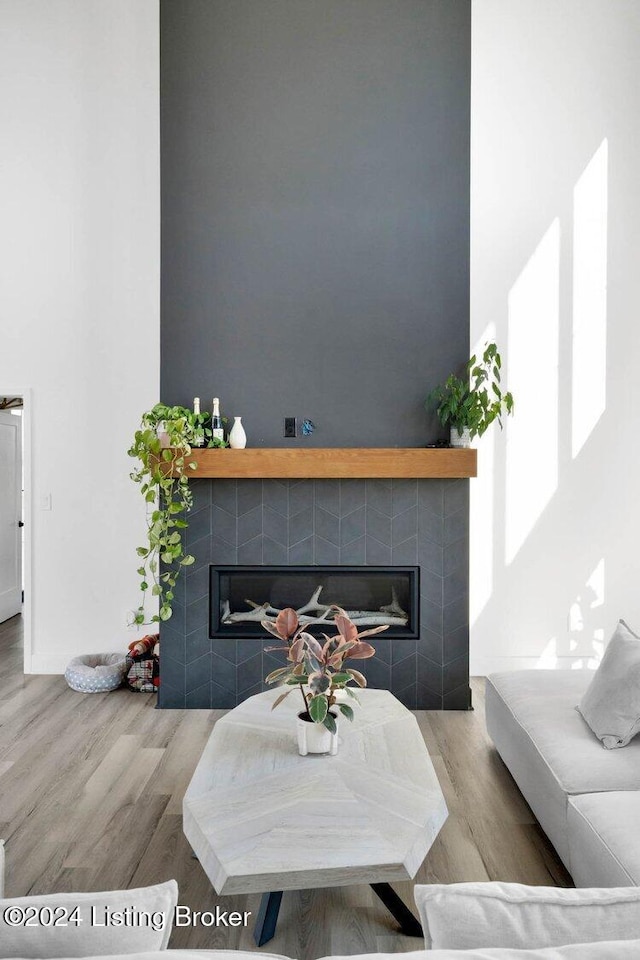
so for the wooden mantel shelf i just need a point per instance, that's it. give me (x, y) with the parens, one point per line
(335, 463)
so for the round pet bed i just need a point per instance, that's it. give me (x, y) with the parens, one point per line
(96, 673)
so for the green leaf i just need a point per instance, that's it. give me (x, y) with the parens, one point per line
(353, 694)
(187, 561)
(346, 711)
(142, 551)
(339, 678)
(165, 612)
(144, 585)
(330, 723)
(318, 708)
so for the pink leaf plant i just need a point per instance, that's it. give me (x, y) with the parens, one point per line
(320, 667)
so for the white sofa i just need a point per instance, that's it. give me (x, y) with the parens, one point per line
(586, 798)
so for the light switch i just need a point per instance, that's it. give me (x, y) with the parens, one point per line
(45, 501)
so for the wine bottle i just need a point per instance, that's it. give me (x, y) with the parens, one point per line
(198, 438)
(217, 429)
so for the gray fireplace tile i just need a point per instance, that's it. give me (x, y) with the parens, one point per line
(198, 672)
(382, 643)
(353, 553)
(352, 526)
(173, 673)
(199, 525)
(276, 496)
(223, 699)
(404, 525)
(431, 615)
(222, 552)
(173, 640)
(300, 496)
(273, 553)
(429, 675)
(455, 644)
(431, 495)
(223, 672)
(301, 526)
(201, 550)
(246, 649)
(198, 583)
(378, 554)
(430, 556)
(455, 673)
(378, 674)
(197, 614)
(352, 496)
(408, 696)
(326, 553)
(455, 526)
(169, 698)
(249, 673)
(404, 495)
(431, 586)
(249, 496)
(402, 649)
(178, 618)
(275, 526)
(327, 525)
(251, 551)
(455, 585)
(301, 553)
(430, 526)
(457, 699)
(225, 648)
(327, 496)
(431, 645)
(250, 525)
(378, 525)
(224, 495)
(455, 614)
(252, 691)
(201, 493)
(199, 698)
(198, 642)
(378, 495)
(456, 557)
(224, 525)
(406, 552)
(456, 497)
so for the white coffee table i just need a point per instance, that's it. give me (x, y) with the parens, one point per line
(262, 819)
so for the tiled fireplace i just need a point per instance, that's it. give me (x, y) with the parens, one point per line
(290, 523)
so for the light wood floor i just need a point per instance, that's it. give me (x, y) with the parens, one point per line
(90, 799)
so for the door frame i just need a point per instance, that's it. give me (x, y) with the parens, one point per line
(27, 606)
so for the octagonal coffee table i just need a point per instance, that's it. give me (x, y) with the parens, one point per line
(262, 819)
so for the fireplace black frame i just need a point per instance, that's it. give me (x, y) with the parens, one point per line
(255, 630)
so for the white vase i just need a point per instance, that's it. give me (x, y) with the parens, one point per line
(458, 439)
(237, 436)
(315, 738)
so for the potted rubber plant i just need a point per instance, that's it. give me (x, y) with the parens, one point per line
(468, 405)
(320, 672)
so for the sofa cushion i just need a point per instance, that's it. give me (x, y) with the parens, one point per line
(465, 916)
(604, 841)
(84, 924)
(549, 749)
(611, 703)
(613, 950)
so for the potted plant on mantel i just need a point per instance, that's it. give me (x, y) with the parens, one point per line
(320, 667)
(162, 445)
(469, 406)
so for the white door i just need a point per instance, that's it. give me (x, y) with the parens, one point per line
(10, 518)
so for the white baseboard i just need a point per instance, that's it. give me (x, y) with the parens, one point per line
(482, 666)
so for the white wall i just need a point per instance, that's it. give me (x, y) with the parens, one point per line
(555, 276)
(79, 295)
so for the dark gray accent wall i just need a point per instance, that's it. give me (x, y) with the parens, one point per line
(378, 522)
(315, 211)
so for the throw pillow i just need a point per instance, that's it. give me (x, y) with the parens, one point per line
(611, 704)
(466, 916)
(88, 924)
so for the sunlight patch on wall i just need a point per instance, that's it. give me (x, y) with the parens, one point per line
(482, 494)
(590, 208)
(532, 434)
(586, 629)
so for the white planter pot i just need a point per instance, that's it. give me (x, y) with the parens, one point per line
(457, 439)
(315, 738)
(162, 434)
(237, 436)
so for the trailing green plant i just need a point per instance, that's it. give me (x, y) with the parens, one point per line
(319, 667)
(475, 401)
(162, 445)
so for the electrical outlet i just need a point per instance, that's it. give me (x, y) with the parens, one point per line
(290, 427)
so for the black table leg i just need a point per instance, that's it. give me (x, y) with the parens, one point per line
(267, 917)
(397, 907)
